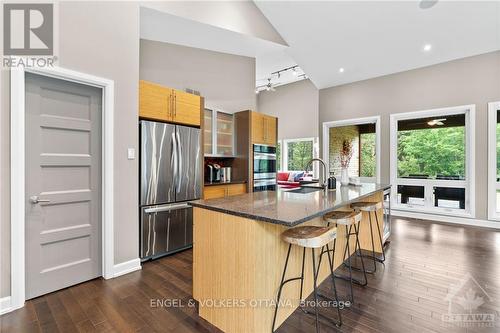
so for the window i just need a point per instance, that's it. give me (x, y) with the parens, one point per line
(494, 161)
(432, 159)
(363, 135)
(297, 152)
(278, 156)
(367, 155)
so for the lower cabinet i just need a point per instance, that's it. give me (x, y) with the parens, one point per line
(221, 191)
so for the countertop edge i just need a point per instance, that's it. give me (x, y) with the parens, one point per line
(281, 222)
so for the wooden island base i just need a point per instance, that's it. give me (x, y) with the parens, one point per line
(238, 263)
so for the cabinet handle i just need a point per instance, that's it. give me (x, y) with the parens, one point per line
(172, 105)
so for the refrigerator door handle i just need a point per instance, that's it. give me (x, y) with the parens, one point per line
(179, 160)
(165, 208)
(174, 158)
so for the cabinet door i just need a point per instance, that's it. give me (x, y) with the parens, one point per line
(207, 132)
(258, 124)
(214, 191)
(187, 108)
(235, 189)
(155, 101)
(224, 134)
(270, 130)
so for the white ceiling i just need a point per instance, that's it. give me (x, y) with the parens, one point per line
(370, 39)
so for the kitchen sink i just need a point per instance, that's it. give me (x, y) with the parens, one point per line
(306, 190)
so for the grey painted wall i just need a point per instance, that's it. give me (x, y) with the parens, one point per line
(295, 105)
(106, 45)
(473, 80)
(240, 16)
(226, 81)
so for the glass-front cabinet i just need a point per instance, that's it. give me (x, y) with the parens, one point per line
(208, 131)
(224, 134)
(218, 133)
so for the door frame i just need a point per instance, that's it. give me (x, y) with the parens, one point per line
(492, 161)
(351, 122)
(17, 168)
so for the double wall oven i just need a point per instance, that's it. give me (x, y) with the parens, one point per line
(264, 168)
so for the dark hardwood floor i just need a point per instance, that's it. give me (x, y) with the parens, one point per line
(407, 295)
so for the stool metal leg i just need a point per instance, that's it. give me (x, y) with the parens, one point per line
(315, 289)
(302, 274)
(281, 286)
(331, 259)
(373, 244)
(380, 238)
(358, 246)
(348, 248)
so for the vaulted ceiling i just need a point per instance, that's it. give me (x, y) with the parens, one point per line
(337, 42)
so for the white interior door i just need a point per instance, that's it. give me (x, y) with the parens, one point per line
(63, 184)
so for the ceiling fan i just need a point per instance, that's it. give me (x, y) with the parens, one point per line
(269, 86)
(435, 122)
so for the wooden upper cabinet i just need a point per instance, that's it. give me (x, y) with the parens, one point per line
(271, 128)
(187, 108)
(157, 102)
(264, 129)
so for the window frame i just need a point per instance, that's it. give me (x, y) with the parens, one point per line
(279, 161)
(469, 183)
(351, 122)
(284, 153)
(493, 185)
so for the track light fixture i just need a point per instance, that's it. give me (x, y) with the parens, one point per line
(294, 70)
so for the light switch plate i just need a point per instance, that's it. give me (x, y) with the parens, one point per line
(131, 153)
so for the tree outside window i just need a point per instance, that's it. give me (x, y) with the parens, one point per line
(432, 152)
(299, 153)
(367, 163)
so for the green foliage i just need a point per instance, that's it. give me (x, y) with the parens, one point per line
(367, 155)
(432, 151)
(299, 153)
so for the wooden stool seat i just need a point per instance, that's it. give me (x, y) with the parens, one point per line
(343, 217)
(309, 236)
(366, 206)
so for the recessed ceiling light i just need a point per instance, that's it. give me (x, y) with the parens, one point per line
(341, 70)
(426, 4)
(427, 47)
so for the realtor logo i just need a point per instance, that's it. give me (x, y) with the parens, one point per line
(468, 305)
(28, 29)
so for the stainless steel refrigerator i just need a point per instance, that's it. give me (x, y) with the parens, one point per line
(170, 176)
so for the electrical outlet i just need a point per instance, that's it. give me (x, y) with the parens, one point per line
(131, 153)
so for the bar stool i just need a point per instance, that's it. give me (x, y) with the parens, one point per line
(370, 207)
(350, 220)
(308, 237)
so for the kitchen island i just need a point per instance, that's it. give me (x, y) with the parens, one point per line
(238, 254)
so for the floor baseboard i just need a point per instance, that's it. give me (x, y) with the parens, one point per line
(447, 219)
(5, 305)
(126, 267)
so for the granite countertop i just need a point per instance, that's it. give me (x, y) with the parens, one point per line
(286, 208)
(226, 183)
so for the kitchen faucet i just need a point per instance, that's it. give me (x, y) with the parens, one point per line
(325, 180)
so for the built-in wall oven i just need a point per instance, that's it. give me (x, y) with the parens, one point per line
(264, 168)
